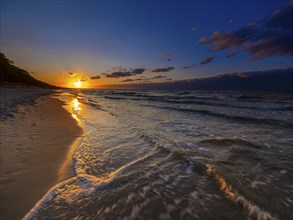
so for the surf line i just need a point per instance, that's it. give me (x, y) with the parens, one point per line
(251, 209)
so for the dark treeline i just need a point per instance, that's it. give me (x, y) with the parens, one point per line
(11, 74)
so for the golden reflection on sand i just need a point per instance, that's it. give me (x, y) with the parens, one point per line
(66, 169)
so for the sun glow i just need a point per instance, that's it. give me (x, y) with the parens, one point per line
(78, 84)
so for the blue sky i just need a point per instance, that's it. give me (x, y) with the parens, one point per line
(96, 38)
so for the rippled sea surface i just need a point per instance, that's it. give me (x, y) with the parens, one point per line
(179, 155)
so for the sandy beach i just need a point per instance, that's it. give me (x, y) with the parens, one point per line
(36, 140)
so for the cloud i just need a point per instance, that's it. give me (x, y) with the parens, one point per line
(280, 19)
(189, 67)
(231, 21)
(83, 79)
(168, 56)
(117, 69)
(129, 80)
(119, 74)
(207, 60)
(162, 70)
(96, 77)
(125, 72)
(72, 74)
(145, 79)
(192, 29)
(159, 77)
(137, 71)
(203, 40)
(233, 54)
(271, 36)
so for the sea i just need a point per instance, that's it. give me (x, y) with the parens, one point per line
(177, 154)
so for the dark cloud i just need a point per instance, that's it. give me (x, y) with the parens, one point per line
(280, 19)
(137, 71)
(119, 74)
(159, 77)
(125, 73)
(96, 77)
(207, 60)
(162, 70)
(271, 36)
(83, 79)
(168, 56)
(144, 79)
(71, 74)
(233, 54)
(129, 80)
(192, 29)
(189, 67)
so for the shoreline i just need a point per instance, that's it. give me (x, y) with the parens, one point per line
(36, 149)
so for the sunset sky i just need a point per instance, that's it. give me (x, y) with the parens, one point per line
(101, 43)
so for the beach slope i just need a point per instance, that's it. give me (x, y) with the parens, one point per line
(35, 142)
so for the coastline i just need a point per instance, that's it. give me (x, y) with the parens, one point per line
(35, 143)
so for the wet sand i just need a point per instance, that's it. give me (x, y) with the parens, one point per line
(36, 148)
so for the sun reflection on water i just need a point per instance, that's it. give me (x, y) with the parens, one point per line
(75, 108)
(76, 104)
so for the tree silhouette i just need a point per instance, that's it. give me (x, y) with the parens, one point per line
(9, 73)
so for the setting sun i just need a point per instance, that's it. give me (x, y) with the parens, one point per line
(78, 84)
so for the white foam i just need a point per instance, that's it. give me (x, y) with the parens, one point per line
(251, 209)
(87, 184)
(48, 196)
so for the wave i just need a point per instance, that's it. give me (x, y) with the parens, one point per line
(228, 142)
(85, 184)
(210, 101)
(173, 158)
(232, 117)
(249, 207)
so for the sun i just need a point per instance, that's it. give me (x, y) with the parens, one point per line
(78, 84)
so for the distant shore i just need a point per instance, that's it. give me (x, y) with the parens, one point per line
(36, 135)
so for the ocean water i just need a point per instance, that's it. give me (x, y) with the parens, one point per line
(178, 155)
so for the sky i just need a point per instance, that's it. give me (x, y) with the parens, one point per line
(123, 42)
